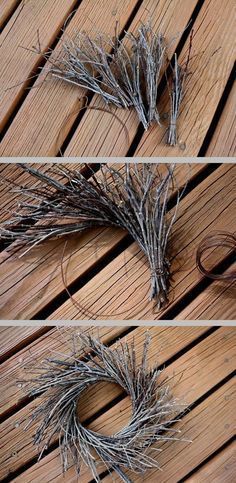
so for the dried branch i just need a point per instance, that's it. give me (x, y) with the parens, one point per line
(176, 93)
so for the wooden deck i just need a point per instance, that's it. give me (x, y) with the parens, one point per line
(202, 360)
(107, 273)
(46, 121)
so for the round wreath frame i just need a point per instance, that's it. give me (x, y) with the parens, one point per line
(61, 383)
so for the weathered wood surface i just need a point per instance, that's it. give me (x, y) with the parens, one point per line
(223, 142)
(215, 302)
(14, 337)
(7, 8)
(38, 122)
(201, 367)
(221, 468)
(18, 63)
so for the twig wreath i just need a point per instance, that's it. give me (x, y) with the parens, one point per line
(124, 73)
(134, 199)
(61, 383)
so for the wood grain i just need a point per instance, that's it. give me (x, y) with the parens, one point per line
(29, 283)
(17, 63)
(223, 142)
(220, 468)
(35, 129)
(199, 360)
(14, 337)
(216, 302)
(120, 290)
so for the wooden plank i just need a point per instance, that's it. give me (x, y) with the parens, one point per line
(220, 468)
(100, 133)
(36, 127)
(17, 64)
(161, 338)
(6, 8)
(14, 337)
(223, 142)
(120, 290)
(190, 387)
(33, 281)
(211, 64)
(209, 304)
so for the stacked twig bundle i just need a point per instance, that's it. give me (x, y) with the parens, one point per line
(125, 74)
(176, 92)
(61, 382)
(135, 200)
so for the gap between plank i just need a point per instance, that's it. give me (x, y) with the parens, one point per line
(24, 343)
(218, 113)
(207, 460)
(11, 13)
(198, 289)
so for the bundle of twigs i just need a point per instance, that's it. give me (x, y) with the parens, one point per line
(125, 74)
(61, 383)
(176, 93)
(135, 200)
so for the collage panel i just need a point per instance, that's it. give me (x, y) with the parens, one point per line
(144, 399)
(53, 103)
(118, 241)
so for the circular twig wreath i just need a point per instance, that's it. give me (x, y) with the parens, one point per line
(61, 382)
